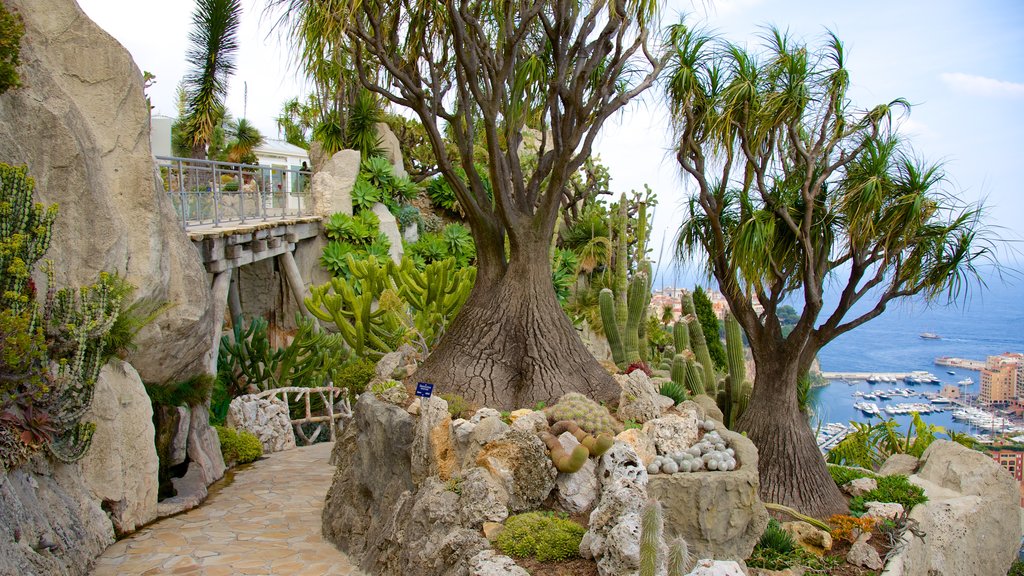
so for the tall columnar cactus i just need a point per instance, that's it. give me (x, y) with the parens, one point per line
(731, 398)
(680, 336)
(651, 526)
(698, 343)
(621, 269)
(694, 378)
(679, 369)
(639, 294)
(606, 302)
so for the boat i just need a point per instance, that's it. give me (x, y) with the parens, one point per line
(966, 381)
(869, 408)
(950, 372)
(930, 336)
(942, 400)
(921, 377)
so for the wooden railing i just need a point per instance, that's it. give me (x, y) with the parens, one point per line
(335, 404)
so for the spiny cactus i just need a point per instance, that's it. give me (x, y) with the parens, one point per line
(651, 526)
(606, 302)
(597, 446)
(678, 372)
(639, 294)
(731, 399)
(679, 560)
(589, 415)
(565, 461)
(680, 336)
(694, 378)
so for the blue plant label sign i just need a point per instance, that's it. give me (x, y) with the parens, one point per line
(424, 390)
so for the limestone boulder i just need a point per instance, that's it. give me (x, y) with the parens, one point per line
(717, 568)
(970, 499)
(121, 467)
(576, 492)
(814, 540)
(266, 418)
(396, 365)
(903, 464)
(391, 148)
(484, 498)
(710, 407)
(718, 513)
(204, 446)
(883, 510)
(433, 452)
(482, 413)
(389, 227)
(491, 563)
(179, 443)
(80, 122)
(859, 486)
(864, 554)
(51, 523)
(613, 533)
(331, 187)
(641, 443)
(672, 432)
(530, 421)
(639, 400)
(519, 461)
(471, 438)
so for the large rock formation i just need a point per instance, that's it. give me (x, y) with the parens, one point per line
(265, 418)
(970, 525)
(719, 514)
(121, 466)
(51, 525)
(81, 124)
(332, 184)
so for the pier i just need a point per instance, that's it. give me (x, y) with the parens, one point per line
(976, 365)
(863, 375)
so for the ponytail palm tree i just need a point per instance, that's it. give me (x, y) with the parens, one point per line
(213, 43)
(794, 189)
(243, 138)
(481, 73)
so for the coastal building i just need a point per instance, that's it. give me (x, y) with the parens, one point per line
(950, 391)
(1012, 460)
(1002, 379)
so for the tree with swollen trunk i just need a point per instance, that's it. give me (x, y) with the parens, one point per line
(479, 74)
(794, 189)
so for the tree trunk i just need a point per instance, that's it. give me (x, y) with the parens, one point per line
(512, 346)
(792, 470)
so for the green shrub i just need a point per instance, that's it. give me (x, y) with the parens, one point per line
(895, 488)
(776, 550)
(456, 404)
(541, 535)
(11, 31)
(1016, 569)
(844, 474)
(238, 446)
(191, 392)
(354, 375)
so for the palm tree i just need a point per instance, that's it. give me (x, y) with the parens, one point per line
(243, 138)
(796, 189)
(211, 53)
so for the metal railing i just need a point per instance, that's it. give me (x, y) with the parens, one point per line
(333, 406)
(208, 192)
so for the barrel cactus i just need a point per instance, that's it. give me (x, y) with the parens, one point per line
(589, 415)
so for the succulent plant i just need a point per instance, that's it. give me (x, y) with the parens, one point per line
(564, 461)
(675, 391)
(586, 413)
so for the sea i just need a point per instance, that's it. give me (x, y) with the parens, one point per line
(989, 322)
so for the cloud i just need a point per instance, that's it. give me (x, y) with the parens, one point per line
(982, 86)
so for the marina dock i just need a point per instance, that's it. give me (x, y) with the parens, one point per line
(864, 375)
(964, 363)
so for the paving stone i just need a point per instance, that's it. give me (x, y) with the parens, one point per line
(253, 526)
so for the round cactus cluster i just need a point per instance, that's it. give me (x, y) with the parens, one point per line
(711, 453)
(586, 413)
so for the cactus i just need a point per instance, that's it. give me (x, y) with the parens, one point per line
(596, 446)
(680, 336)
(679, 560)
(733, 398)
(564, 461)
(586, 413)
(639, 294)
(700, 346)
(621, 268)
(679, 369)
(606, 301)
(694, 378)
(651, 526)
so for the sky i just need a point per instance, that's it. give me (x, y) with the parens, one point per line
(960, 64)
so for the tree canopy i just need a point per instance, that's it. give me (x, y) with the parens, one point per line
(795, 189)
(527, 85)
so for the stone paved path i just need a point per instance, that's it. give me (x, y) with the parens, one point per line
(267, 521)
